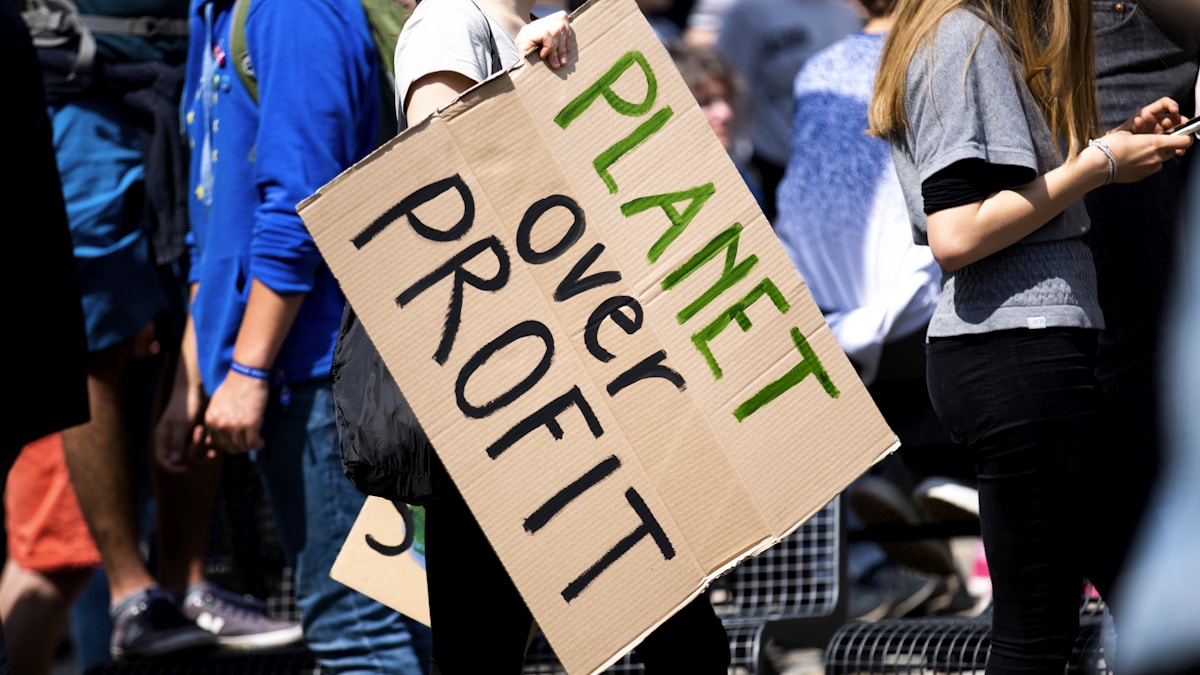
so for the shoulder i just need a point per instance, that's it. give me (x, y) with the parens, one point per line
(964, 47)
(964, 34)
(459, 13)
(314, 17)
(443, 25)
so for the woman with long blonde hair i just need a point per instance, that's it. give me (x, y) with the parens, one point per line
(990, 107)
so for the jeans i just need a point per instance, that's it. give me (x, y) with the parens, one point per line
(1160, 629)
(1024, 402)
(315, 505)
(1133, 239)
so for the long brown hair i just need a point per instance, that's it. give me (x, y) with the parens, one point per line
(1052, 39)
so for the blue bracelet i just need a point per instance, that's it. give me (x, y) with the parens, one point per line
(248, 371)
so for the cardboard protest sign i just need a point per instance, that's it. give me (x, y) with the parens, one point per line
(384, 557)
(595, 325)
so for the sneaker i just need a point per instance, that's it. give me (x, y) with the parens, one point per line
(149, 623)
(945, 499)
(238, 622)
(906, 592)
(867, 603)
(954, 600)
(878, 501)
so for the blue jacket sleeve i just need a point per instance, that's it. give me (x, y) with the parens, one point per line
(317, 73)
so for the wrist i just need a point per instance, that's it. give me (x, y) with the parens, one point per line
(250, 371)
(1106, 160)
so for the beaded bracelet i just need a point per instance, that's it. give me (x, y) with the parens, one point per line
(1112, 159)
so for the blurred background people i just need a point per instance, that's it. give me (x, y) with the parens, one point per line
(114, 73)
(51, 556)
(842, 219)
(1159, 620)
(1144, 50)
(767, 41)
(723, 98)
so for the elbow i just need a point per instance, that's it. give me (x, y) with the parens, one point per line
(955, 236)
(952, 244)
(950, 256)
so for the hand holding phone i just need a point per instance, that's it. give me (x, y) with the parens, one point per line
(1192, 126)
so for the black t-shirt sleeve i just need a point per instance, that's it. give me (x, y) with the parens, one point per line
(970, 180)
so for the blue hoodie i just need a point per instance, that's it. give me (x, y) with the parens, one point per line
(318, 91)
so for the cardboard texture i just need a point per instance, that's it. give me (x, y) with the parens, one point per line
(379, 558)
(611, 352)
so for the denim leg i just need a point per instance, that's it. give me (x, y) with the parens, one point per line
(1138, 60)
(315, 506)
(1159, 629)
(1133, 238)
(1024, 402)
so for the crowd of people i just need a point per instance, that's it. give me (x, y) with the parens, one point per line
(982, 196)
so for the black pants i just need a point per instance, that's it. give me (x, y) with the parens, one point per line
(483, 625)
(1025, 402)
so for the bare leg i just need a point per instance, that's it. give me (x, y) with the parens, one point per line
(100, 457)
(33, 610)
(185, 506)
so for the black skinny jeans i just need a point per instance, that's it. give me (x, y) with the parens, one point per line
(1024, 402)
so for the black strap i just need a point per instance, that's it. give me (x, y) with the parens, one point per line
(497, 66)
(138, 26)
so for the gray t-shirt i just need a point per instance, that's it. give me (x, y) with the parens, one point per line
(449, 35)
(987, 112)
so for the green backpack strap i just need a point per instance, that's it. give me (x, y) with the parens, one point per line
(240, 53)
(385, 18)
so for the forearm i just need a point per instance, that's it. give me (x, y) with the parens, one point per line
(189, 360)
(965, 234)
(266, 322)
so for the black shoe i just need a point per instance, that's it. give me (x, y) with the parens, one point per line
(905, 592)
(149, 623)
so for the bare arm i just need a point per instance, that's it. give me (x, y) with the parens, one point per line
(965, 234)
(434, 91)
(234, 417)
(549, 36)
(179, 430)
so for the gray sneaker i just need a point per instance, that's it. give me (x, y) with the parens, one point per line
(239, 622)
(149, 623)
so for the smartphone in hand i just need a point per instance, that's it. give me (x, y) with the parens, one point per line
(1192, 126)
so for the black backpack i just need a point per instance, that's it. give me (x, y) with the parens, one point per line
(59, 23)
(385, 452)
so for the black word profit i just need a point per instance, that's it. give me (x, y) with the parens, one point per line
(533, 336)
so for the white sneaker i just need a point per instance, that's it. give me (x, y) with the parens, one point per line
(945, 499)
(238, 622)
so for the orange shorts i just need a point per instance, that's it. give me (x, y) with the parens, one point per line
(46, 530)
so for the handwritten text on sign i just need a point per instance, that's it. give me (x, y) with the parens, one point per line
(623, 311)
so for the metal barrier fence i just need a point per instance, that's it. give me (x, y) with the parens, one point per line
(790, 594)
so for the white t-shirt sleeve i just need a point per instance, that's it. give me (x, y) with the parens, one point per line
(441, 36)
